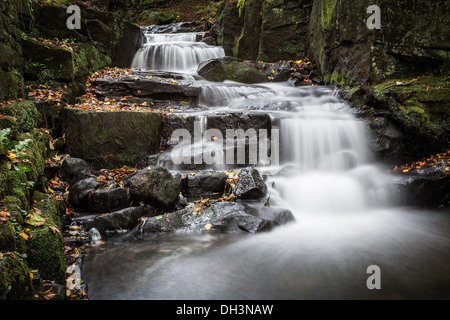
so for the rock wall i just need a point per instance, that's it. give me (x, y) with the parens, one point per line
(267, 30)
(11, 79)
(414, 38)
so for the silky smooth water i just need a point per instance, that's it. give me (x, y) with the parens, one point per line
(345, 217)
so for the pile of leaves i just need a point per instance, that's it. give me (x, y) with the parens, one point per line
(116, 176)
(41, 92)
(437, 160)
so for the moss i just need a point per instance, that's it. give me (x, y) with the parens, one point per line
(15, 281)
(5, 179)
(14, 208)
(327, 13)
(53, 209)
(340, 79)
(7, 236)
(19, 187)
(35, 152)
(11, 85)
(24, 113)
(46, 253)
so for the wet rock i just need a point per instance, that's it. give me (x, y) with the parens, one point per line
(227, 217)
(79, 192)
(229, 68)
(386, 140)
(107, 200)
(155, 186)
(74, 169)
(250, 185)
(427, 188)
(149, 84)
(203, 183)
(124, 219)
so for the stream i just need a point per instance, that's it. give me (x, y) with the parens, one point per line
(346, 218)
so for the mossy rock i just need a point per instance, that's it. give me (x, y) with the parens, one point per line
(230, 69)
(19, 187)
(5, 179)
(46, 253)
(11, 85)
(87, 60)
(7, 236)
(14, 208)
(25, 114)
(45, 62)
(103, 138)
(35, 153)
(45, 249)
(15, 281)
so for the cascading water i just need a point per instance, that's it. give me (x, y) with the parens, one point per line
(174, 52)
(345, 221)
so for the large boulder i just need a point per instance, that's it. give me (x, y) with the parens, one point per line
(103, 138)
(229, 68)
(157, 187)
(227, 217)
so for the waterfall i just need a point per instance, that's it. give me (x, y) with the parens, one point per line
(345, 220)
(181, 52)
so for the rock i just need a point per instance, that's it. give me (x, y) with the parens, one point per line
(50, 22)
(58, 290)
(426, 188)
(158, 85)
(15, 281)
(229, 68)
(107, 200)
(124, 219)
(204, 183)
(227, 217)
(250, 185)
(385, 140)
(400, 49)
(103, 138)
(155, 186)
(47, 62)
(79, 192)
(74, 169)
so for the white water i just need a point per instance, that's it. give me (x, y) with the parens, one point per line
(174, 52)
(345, 221)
